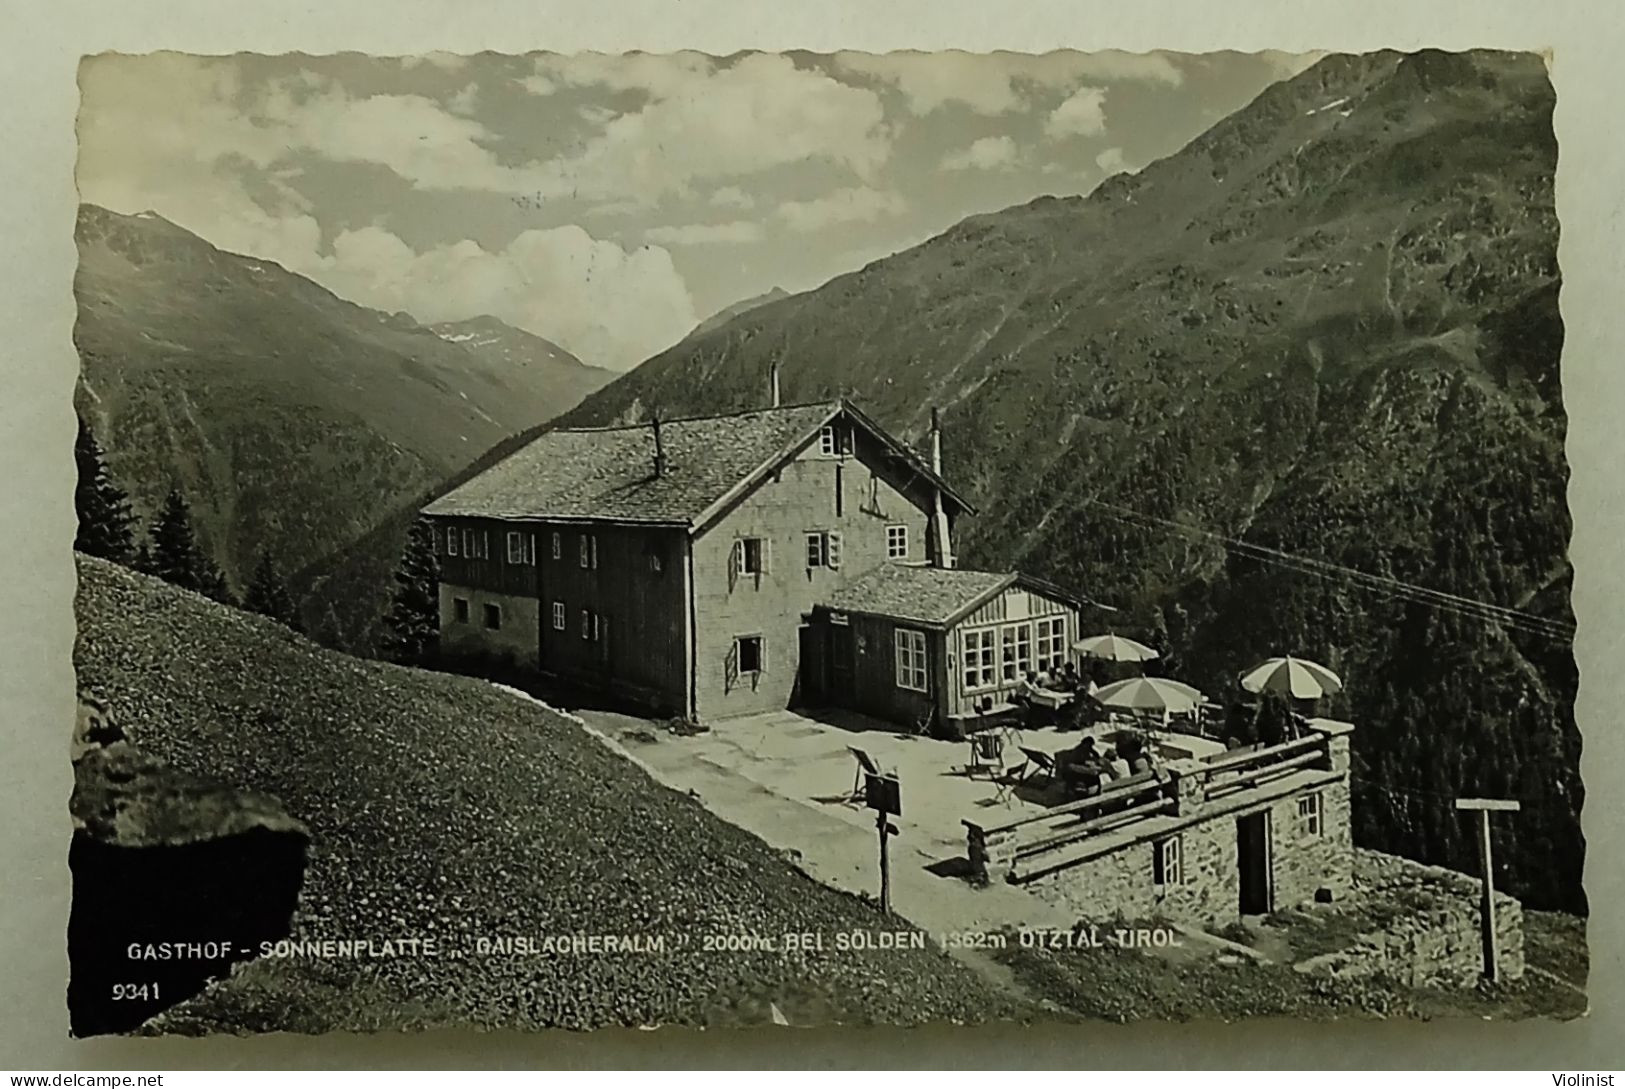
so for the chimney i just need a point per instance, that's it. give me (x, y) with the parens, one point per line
(944, 556)
(660, 449)
(774, 379)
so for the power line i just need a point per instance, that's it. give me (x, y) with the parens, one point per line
(1528, 623)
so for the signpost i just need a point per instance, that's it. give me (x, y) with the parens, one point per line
(1484, 806)
(884, 794)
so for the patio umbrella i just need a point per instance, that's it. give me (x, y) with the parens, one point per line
(1150, 694)
(1296, 677)
(1113, 648)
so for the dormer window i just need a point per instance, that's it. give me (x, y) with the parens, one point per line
(826, 440)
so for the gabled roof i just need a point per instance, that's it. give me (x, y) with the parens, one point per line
(607, 474)
(933, 596)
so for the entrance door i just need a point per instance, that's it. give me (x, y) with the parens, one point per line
(840, 663)
(1253, 856)
(810, 672)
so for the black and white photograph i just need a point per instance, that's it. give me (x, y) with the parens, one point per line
(590, 540)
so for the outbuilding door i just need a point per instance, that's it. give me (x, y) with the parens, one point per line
(1253, 856)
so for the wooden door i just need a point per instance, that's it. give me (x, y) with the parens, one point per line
(1253, 857)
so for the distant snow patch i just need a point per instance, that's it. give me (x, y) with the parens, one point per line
(1332, 105)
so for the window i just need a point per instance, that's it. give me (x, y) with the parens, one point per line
(493, 617)
(586, 623)
(530, 549)
(459, 609)
(558, 544)
(468, 543)
(748, 652)
(1310, 814)
(1051, 642)
(516, 547)
(817, 553)
(1015, 650)
(978, 656)
(1168, 862)
(897, 542)
(476, 544)
(558, 616)
(589, 550)
(750, 556)
(832, 549)
(826, 440)
(451, 541)
(655, 563)
(911, 659)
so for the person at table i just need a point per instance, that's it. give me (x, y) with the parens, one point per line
(1082, 765)
(1115, 763)
(1068, 681)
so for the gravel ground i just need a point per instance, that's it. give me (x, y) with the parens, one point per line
(439, 806)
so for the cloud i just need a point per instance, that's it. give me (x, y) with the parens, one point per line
(689, 234)
(1081, 114)
(464, 102)
(997, 83)
(182, 136)
(988, 153)
(702, 123)
(731, 196)
(852, 205)
(447, 62)
(610, 306)
(1110, 161)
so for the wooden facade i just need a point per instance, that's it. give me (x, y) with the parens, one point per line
(603, 605)
(939, 674)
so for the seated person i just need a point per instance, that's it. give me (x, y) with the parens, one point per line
(1115, 763)
(1081, 766)
(1068, 681)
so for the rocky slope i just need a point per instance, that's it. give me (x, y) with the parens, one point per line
(291, 419)
(443, 807)
(1328, 326)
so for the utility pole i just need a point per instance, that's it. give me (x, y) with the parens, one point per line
(884, 824)
(1485, 806)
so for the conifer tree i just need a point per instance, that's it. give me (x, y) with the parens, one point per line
(412, 628)
(175, 556)
(267, 595)
(105, 522)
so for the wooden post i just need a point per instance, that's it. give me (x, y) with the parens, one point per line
(1484, 806)
(883, 823)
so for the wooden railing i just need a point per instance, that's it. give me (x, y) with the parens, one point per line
(1121, 803)
(1027, 846)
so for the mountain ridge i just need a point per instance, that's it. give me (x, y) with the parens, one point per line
(1327, 328)
(291, 418)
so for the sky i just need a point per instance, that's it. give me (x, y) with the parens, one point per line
(612, 202)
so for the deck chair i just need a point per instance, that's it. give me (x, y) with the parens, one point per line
(1037, 762)
(986, 754)
(866, 766)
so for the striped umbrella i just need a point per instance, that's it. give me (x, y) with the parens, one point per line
(1114, 648)
(1150, 694)
(1297, 677)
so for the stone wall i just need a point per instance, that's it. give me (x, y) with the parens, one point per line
(1424, 926)
(1305, 866)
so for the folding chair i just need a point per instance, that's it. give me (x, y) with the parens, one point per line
(1036, 762)
(986, 753)
(866, 766)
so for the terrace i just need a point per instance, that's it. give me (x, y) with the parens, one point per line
(790, 779)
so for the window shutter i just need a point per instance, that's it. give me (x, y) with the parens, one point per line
(767, 555)
(833, 544)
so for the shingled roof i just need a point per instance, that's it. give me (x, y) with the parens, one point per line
(607, 473)
(926, 595)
